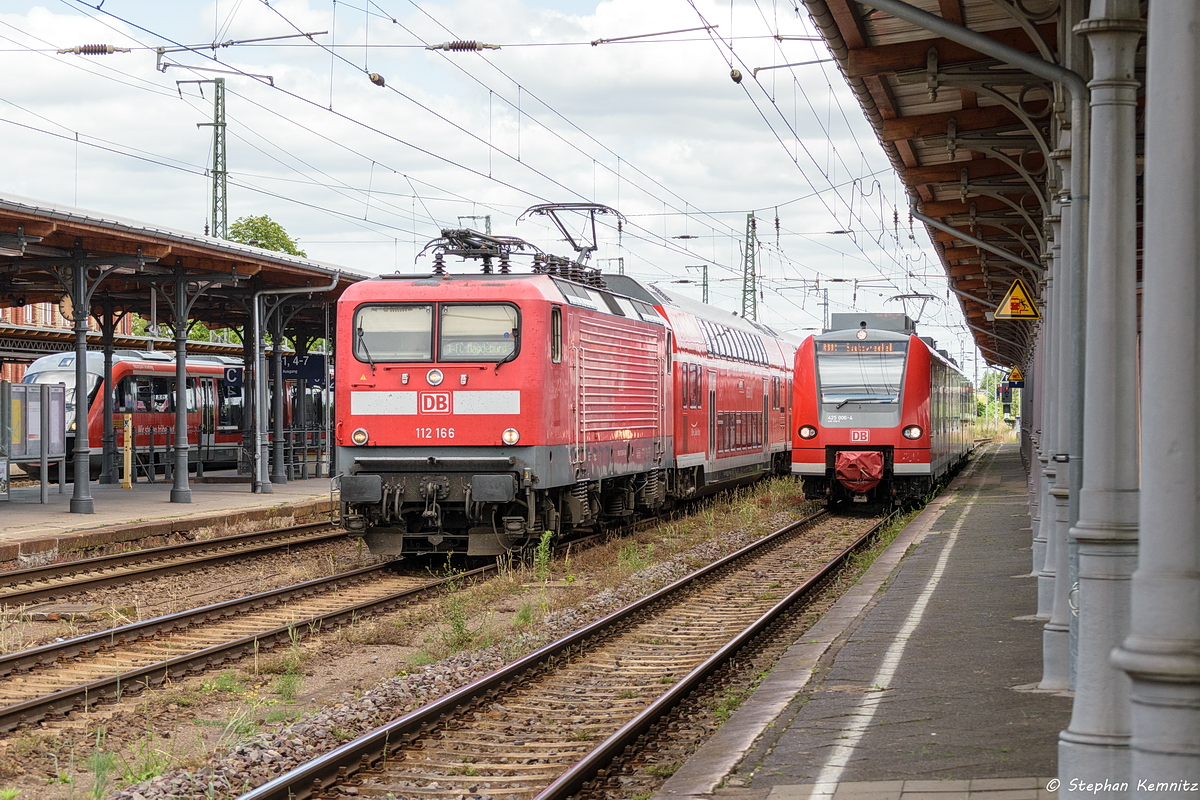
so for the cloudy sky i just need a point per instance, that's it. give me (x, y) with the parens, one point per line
(364, 175)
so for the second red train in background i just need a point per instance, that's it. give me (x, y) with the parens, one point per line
(882, 416)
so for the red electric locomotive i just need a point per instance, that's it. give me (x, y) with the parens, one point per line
(476, 412)
(882, 416)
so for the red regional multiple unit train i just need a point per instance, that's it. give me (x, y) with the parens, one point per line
(881, 416)
(144, 386)
(477, 411)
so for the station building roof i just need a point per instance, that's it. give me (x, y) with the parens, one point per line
(39, 243)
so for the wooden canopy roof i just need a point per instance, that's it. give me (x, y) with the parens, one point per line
(971, 139)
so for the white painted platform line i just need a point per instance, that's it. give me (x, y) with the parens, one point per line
(831, 773)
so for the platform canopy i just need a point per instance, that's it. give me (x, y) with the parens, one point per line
(971, 139)
(42, 243)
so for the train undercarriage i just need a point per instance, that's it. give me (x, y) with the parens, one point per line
(486, 514)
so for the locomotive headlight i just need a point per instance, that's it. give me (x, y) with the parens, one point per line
(359, 436)
(510, 436)
(434, 376)
(807, 432)
(913, 432)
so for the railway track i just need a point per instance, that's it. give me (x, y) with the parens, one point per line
(548, 724)
(23, 587)
(63, 677)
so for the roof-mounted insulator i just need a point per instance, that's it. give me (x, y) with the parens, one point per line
(94, 50)
(460, 46)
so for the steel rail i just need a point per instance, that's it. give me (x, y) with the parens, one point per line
(155, 559)
(586, 769)
(114, 686)
(316, 776)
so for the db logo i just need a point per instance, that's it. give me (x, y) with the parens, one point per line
(860, 436)
(434, 402)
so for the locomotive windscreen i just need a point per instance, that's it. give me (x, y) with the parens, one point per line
(477, 332)
(860, 372)
(465, 332)
(393, 333)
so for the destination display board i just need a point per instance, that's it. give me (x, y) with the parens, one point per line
(863, 347)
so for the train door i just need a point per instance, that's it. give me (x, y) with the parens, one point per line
(206, 434)
(765, 427)
(712, 415)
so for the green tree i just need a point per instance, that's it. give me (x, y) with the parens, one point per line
(262, 231)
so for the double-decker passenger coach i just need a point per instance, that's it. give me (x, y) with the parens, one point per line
(881, 415)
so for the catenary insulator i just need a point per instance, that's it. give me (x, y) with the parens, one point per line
(94, 49)
(462, 46)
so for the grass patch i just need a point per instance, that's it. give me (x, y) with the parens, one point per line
(144, 761)
(633, 558)
(287, 686)
(225, 682)
(281, 715)
(663, 771)
(728, 702)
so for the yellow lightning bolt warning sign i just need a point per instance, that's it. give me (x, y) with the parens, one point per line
(1016, 303)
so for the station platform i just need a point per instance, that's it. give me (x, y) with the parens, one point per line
(920, 683)
(34, 533)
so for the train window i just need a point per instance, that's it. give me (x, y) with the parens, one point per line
(613, 304)
(191, 394)
(143, 392)
(162, 395)
(478, 332)
(125, 396)
(393, 333)
(229, 407)
(849, 377)
(576, 295)
(647, 312)
(556, 335)
(697, 380)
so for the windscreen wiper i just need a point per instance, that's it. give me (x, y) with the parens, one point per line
(366, 350)
(508, 357)
(867, 399)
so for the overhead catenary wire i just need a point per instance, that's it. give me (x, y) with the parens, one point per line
(636, 231)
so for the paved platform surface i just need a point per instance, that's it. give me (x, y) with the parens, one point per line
(920, 683)
(34, 533)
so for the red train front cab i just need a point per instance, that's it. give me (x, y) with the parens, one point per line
(862, 415)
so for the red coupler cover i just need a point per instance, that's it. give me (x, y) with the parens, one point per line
(858, 470)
